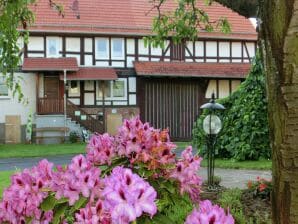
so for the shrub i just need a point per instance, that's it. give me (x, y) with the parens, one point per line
(245, 132)
(73, 137)
(132, 177)
(261, 187)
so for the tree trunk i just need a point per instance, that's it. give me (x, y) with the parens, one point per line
(279, 32)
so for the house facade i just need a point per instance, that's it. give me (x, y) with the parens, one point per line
(95, 58)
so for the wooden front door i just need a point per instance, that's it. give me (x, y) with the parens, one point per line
(51, 87)
(172, 103)
(52, 102)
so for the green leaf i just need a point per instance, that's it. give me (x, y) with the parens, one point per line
(79, 204)
(162, 219)
(59, 212)
(48, 203)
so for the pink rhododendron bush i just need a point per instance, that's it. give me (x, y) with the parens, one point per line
(133, 177)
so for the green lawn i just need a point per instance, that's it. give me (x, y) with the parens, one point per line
(248, 165)
(26, 150)
(4, 180)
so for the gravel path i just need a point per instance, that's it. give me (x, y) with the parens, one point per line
(230, 177)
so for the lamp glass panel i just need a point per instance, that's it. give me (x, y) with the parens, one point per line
(212, 124)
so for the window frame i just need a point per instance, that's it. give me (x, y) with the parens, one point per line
(112, 97)
(97, 54)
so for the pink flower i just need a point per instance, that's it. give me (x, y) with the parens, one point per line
(93, 214)
(127, 196)
(207, 213)
(23, 197)
(186, 173)
(80, 177)
(100, 149)
(140, 142)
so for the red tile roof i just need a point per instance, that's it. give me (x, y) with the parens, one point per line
(50, 64)
(85, 73)
(130, 17)
(186, 69)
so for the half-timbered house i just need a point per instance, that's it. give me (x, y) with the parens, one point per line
(95, 54)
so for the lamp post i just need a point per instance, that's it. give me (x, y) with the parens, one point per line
(211, 126)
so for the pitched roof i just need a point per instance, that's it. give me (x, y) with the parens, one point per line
(187, 69)
(130, 17)
(50, 64)
(92, 73)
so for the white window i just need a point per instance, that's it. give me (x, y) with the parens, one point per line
(53, 46)
(3, 88)
(102, 48)
(117, 48)
(113, 90)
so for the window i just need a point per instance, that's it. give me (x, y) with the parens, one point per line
(74, 88)
(3, 88)
(102, 48)
(117, 48)
(113, 90)
(53, 47)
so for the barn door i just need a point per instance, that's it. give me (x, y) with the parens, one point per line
(173, 104)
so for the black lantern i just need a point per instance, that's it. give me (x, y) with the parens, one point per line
(211, 126)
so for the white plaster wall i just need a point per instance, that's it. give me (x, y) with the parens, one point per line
(35, 55)
(130, 46)
(236, 51)
(142, 48)
(168, 53)
(132, 84)
(73, 44)
(36, 44)
(102, 64)
(189, 45)
(88, 45)
(211, 49)
(251, 50)
(88, 60)
(157, 51)
(41, 86)
(199, 48)
(11, 106)
(118, 64)
(132, 99)
(224, 49)
(130, 61)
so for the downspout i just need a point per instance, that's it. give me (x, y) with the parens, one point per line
(65, 115)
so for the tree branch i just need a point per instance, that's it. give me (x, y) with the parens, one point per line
(247, 8)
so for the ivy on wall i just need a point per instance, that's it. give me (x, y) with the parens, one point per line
(245, 132)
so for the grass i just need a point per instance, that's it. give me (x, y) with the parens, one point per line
(182, 145)
(248, 165)
(4, 180)
(26, 150)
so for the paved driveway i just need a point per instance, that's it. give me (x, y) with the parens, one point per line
(230, 177)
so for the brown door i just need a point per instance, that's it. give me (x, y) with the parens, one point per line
(51, 87)
(52, 103)
(173, 104)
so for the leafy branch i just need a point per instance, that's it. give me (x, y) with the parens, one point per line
(184, 23)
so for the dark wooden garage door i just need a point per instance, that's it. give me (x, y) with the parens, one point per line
(172, 103)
